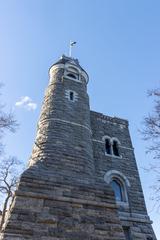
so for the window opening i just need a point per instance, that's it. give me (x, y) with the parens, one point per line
(71, 75)
(117, 188)
(127, 233)
(71, 96)
(115, 148)
(107, 146)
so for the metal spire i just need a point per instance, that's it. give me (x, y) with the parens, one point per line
(70, 47)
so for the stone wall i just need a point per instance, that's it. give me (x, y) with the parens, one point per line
(133, 213)
(52, 210)
(63, 195)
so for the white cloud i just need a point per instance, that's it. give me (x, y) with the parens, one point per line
(27, 103)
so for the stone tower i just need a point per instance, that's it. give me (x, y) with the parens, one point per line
(82, 180)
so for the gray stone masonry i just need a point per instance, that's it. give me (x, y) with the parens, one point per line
(134, 213)
(65, 193)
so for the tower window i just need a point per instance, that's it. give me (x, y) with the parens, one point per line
(111, 146)
(119, 183)
(71, 96)
(115, 148)
(118, 191)
(71, 75)
(107, 146)
(127, 233)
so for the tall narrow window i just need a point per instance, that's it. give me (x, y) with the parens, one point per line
(127, 233)
(119, 183)
(71, 95)
(115, 148)
(107, 146)
(118, 191)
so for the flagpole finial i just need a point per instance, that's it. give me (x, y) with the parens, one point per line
(72, 43)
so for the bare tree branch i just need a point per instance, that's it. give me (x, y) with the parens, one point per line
(151, 133)
(9, 176)
(9, 167)
(7, 122)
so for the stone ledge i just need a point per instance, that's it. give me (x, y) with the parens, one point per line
(134, 219)
(65, 199)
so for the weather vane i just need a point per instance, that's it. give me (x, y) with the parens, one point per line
(70, 47)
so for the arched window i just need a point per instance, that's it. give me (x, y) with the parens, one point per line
(119, 183)
(118, 190)
(71, 75)
(108, 146)
(115, 148)
(111, 146)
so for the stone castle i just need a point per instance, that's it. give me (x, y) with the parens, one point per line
(82, 182)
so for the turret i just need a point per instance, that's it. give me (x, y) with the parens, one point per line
(63, 140)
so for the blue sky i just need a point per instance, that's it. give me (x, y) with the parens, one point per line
(118, 44)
